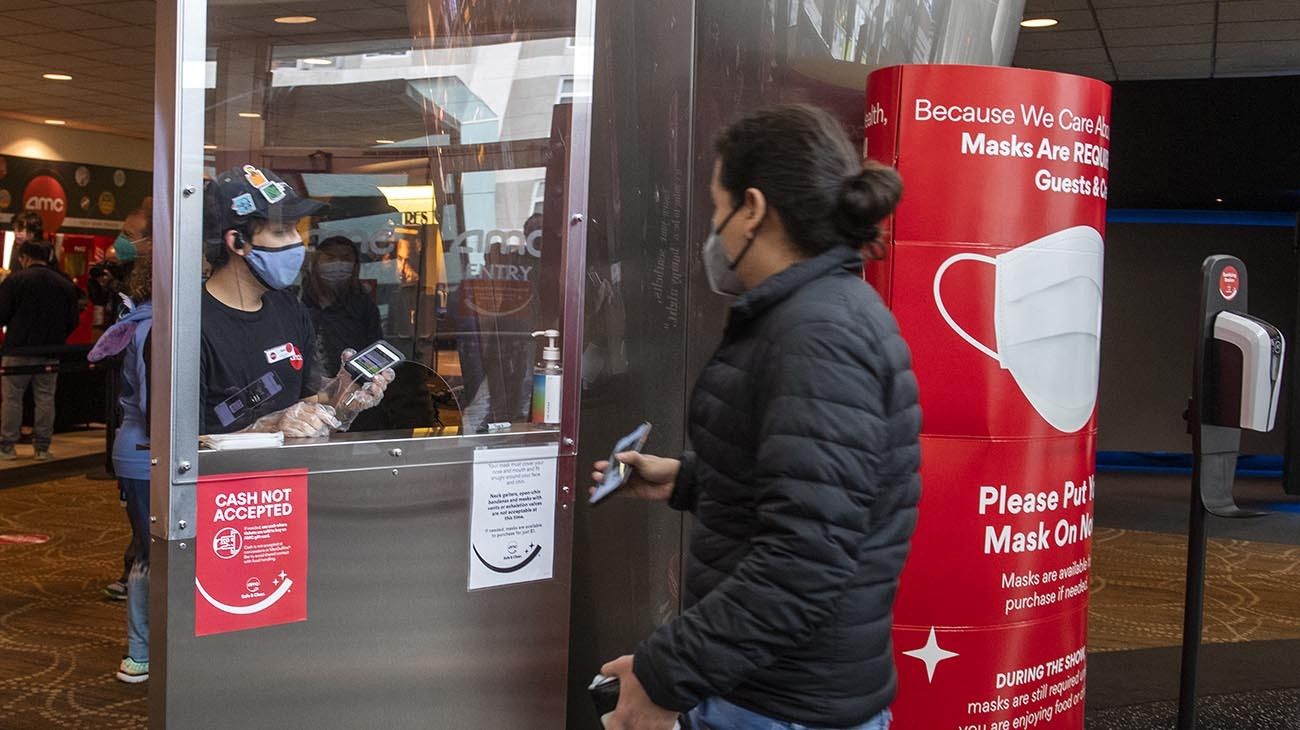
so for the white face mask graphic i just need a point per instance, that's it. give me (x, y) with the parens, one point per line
(1047, 319)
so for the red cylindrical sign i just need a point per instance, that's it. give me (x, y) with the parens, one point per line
(994, 272)
(45, 195)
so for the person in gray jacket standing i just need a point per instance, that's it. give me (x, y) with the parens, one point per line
(803, 475)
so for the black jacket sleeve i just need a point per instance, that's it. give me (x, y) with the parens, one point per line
(7, 303)
(821, 436)
(684, 495)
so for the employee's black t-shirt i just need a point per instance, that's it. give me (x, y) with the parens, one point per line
(239, 348)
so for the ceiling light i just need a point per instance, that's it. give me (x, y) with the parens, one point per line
(1218, 200)
(209, 147)
(1038, 22)
(384, 141)
(57, 77)
(250, 115)
(55, 122)
(318, 62)
(295, 19)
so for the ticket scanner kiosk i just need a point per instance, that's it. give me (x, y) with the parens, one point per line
(1236, 381)
(412, 571)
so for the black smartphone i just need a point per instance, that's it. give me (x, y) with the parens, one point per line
(374, 360)
(617, 472)
(604, 694)
(246, 401)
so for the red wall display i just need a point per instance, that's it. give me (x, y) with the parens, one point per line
(994, 272)
(250, 557)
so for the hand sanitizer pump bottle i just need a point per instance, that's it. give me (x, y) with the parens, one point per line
(548, 379)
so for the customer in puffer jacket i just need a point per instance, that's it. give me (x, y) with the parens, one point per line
(803, 474)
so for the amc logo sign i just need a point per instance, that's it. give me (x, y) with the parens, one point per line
(44, 195)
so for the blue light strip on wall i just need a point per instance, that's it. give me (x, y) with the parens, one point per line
(1173, 462)
(1203, 217)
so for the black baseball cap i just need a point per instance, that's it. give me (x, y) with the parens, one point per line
(241, 194)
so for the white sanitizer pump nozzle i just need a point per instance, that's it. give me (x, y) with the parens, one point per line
(548, 381)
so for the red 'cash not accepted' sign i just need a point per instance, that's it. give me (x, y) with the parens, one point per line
(250, 563)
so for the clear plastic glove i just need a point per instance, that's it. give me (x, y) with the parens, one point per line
(303, 419)
(350, 394)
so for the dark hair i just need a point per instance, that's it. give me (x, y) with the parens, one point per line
(145, 210)
(801, 160)
(31, 222)
(36, 251)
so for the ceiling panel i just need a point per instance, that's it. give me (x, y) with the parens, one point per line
(1246, 10)
(1163, 69)
(1274, 30)
(1172, 34)
(1156, 15)
(59, 18)
(1060, 39)
(1196, 51)
(1168, 38)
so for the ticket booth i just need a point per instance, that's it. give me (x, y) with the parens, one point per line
(411, 571)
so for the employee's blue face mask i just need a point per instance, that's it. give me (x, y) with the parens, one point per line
(276, 268)
(125, 248)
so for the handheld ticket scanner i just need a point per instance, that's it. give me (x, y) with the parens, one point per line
(1236, 382)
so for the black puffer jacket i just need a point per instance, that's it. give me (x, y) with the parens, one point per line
(804, 485)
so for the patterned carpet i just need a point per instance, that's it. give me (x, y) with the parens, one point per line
(1252, 591)
(60, 639)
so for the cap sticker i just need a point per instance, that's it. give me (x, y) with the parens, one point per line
(272, 192)
(255, 177)
(243, 204)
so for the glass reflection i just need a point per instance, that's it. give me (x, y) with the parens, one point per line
(433, 136)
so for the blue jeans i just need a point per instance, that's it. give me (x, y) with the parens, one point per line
(716, 713)
(137, 582)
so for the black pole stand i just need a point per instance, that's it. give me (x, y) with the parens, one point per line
(1214, 463)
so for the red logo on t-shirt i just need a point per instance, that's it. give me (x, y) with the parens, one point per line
(287, 351)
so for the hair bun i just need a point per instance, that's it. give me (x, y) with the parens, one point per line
(865, 200)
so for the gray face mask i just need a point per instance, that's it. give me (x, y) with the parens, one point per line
(720, 270)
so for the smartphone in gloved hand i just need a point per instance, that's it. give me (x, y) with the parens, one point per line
(373, 360)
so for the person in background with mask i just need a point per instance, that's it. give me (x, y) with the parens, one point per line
(108, 277)
(803, 478)
(129, 337)
(253, 329)
(345, 317)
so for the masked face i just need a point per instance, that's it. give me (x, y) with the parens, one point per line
(124, 246)
(1047, 319)
(276, 255)
(334, 272)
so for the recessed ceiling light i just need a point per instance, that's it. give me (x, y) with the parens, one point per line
(295, 19)
(209, 147)
(318, 62)
(384, 141)
(55, 122)
(1038, 22)
(250, 115)
(57, 77)
(1218, 200)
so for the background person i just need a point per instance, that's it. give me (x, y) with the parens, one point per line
(39, 308)
(129, 337)
(803, 479)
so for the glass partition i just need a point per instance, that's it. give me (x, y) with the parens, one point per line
(386, 170)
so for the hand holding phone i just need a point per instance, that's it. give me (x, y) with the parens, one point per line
(634, 474)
